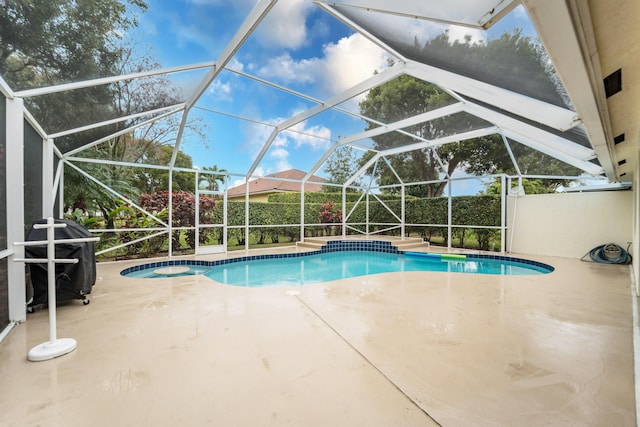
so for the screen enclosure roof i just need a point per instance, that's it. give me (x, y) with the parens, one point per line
(462, 47)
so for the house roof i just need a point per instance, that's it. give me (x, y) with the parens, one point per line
(288, 180)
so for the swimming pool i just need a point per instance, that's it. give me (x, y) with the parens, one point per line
(324, 266)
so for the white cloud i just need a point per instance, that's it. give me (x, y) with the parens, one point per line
(345, 63)
(350, 61)
(235, 64)
(285, 26)
(221, 91)
(315, 137)
(286, 70)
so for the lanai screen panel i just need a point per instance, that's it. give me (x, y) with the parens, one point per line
(4, 279)
(472, 13)
(33, 176)
(509, 56)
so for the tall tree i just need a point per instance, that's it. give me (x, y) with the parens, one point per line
(216, 179)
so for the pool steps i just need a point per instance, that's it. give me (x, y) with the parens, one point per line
(402, 245)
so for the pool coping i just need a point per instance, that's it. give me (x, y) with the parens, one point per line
(333, 246)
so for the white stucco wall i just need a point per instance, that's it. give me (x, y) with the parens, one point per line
(569, 224)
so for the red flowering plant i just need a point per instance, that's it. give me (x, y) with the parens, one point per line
(330, 215)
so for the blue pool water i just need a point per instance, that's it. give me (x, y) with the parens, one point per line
(301, 269)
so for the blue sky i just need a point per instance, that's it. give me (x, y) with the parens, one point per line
(298, 46)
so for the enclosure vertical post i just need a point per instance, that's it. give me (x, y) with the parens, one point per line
(246, 216)
(449, 214)
(503, 213)
(367, 212)
(302, 212)
(344, 211)
(196, 220)
(225, 223)
(170, 207)
(15, 206)
(402, 211)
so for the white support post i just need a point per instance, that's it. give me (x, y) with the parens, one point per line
(449, 214)
(170, 218)
(197, 213)
(302, 212)
(15, 200)
(344, 212)
(225, 224)
(246, 216)
(402, 210)
(503, 213)
(366, 201)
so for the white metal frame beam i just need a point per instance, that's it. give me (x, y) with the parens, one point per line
(28, 93)
(524, 106)
(172, 108)
(14, 183)
(120, 132)
(478, 133)
(493, 11)
(411, 121)
(538, 139)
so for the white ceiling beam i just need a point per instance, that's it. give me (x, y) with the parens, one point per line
(405, 123)
(115, 134)
(524, 106)
(566, 31)
(173, 108)
(107, 80)
(590, 168)
(477, 14)
(441, 141)
(543, 138)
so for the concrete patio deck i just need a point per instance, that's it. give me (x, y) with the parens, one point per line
(395, 349)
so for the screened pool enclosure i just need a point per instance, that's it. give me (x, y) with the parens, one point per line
(418, 118)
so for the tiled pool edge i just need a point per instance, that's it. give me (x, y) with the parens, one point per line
(331, 246)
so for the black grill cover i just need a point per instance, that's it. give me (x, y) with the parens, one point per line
(73, 281)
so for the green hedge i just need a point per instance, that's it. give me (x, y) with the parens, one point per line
(285, 209)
